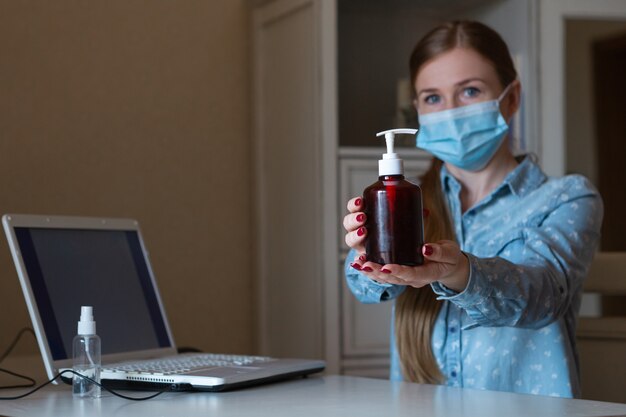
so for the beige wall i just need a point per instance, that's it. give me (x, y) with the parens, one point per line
(136, 108)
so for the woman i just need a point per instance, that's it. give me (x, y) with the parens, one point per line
(495, 304)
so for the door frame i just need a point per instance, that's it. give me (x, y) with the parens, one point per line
(552, 16)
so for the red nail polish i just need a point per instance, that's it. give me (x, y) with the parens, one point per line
(355, 266)
(360, 217)
(357, 202)
(428, 250)
(385, 271)
(367, 269)
(362, 258)
(360, 231)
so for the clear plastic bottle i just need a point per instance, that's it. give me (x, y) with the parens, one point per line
(393, 206)
(86, 356)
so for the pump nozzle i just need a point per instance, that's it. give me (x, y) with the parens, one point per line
(391, 164)
(389, 137)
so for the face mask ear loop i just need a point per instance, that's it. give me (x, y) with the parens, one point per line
(506, 90)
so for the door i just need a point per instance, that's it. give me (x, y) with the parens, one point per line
(609, 57)
(294, 143)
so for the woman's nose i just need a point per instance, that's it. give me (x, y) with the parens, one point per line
(452, 103)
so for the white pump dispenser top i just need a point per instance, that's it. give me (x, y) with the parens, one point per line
(86, 325)
(391, 164)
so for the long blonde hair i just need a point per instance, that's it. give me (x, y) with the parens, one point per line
(417, 308)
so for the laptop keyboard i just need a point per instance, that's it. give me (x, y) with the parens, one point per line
(186, 363)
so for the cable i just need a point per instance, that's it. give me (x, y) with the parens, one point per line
(7, 352)
(57, 376)
(14, 342)
(30, 384)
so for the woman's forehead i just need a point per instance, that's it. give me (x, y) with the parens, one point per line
(453, 67)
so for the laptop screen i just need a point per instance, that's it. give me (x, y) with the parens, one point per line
(106, 269)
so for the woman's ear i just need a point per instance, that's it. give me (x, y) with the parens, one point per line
(513, 100)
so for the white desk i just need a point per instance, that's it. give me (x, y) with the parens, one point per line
(323, 396)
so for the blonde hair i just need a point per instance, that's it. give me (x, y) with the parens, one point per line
(417, 309)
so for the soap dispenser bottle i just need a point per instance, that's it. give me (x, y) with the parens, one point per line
(393, 206)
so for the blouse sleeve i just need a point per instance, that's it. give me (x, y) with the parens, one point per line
(536, 279)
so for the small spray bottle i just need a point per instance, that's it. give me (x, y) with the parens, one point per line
(86, 356)
(393, 206)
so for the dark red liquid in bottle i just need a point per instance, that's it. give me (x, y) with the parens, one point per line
(395, 231)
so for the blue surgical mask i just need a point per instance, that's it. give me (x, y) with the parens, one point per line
(466, 137)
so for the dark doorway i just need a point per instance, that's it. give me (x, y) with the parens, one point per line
(609, 57)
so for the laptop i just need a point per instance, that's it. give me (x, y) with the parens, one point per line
(64, 263)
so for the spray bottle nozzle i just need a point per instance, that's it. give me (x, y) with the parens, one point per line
(391, 164)
(86, 313)
(86, 325)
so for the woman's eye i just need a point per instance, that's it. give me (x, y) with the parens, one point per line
(432, 99)
(471, 92)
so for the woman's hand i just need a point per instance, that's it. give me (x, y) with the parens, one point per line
(354, 223)
(443, 262)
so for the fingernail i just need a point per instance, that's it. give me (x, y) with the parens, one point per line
(360, 231)
(357, 202)
(362, 258)
(426, 212)
(385, 271)
(428, 250)
(360, 217)
(367, 269)
(355, 266)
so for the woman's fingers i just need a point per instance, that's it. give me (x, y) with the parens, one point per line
(415, 276)
(444, 251)
(444, 262)
(372, 270)
(356, 238)
(353, 221)
(355, 204)
(386, 274)
(354, 224)
(358, 261)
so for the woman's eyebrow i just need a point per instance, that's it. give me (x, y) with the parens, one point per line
(469, 80)
(427, 90)
(458, 84)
